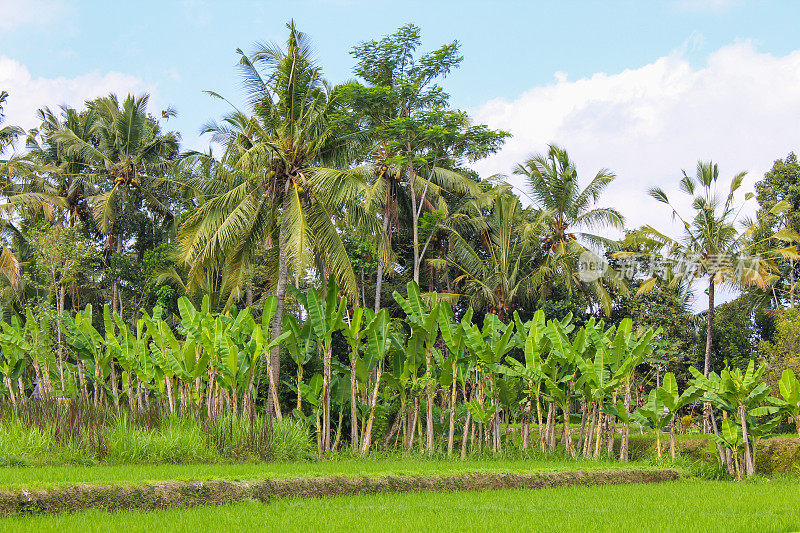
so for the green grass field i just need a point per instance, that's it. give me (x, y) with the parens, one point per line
(689, 505)
(49, 476)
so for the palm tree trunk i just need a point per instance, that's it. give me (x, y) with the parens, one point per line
(379, 273)
(707, 367)
(273, 405)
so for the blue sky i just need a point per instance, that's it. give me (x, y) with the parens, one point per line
(643, 88)
(182, 48)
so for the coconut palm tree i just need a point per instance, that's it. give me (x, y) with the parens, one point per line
(127, 157)
(712, 247)
(270, 189)
(569, 213)
(499, 269)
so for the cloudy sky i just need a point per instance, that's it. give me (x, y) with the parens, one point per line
(642, 88)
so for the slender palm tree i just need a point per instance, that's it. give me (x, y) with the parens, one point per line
(270, 190)
(569, 214)
(127, 155)
(712, 247)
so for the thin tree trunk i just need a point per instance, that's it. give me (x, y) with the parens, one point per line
(353, 406)
(372, 405)
(626, 429)
(273, 405)
(466, 428)
(453, 399)
(326, 400)
(749, 464)
(379, 273)
(429, 405)
(707, 366)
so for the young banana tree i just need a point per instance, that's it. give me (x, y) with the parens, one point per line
(423, 320)
(453, 336)
(352, 327)
(789, 402)
(530, 337)
(738, 394)
(652, 415)
(13, 359)
(379, 340)
(674, 401)
(489, 345)
(324, 313)
(89, 347)
(301, 347)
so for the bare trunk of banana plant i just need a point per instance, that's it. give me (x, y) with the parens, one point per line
(749, 464)
(707, 366)
(568, 444)
(672, 438)
(114, 391)
(582, 432)
(453, 399)
(626, 428)
(299, 391)
(467, 424)
(429, 405)
(526, 425)
(326, 400)
(10, 386)
(367, 442)
(353, 406)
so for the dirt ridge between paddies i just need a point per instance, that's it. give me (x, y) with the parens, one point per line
(192, 493)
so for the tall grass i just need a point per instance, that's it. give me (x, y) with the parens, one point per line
(52, 433)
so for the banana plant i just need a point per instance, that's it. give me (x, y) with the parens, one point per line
(379, 340)
(301, 347)
(738, 394)
(325, 314)
(352, 327)
(530, 337)
(13, 358)
(674, 401)
(731, 438)
(789, 402)
(453, 335)
(89, 347)
(422, 317)
(489, 345)
(558, 373)
(651, 415)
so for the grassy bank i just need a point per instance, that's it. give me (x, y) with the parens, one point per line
(14, 478)
(758, 505)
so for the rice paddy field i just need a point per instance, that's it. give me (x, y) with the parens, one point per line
(688, 505)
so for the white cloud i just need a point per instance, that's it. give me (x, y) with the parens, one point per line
(741, 109)
(15, 14)
(28, 93)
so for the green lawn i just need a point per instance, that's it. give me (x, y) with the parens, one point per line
(689, 505)
(35, 477)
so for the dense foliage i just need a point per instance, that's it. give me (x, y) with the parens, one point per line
(340, 263)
